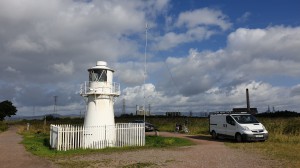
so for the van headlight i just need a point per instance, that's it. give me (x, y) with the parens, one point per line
(264, 127)
(245, 128)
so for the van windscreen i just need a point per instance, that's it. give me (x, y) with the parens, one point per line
(245, 119)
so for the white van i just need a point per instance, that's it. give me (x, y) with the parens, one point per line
(238, 126)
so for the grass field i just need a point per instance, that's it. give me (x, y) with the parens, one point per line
(283, 143)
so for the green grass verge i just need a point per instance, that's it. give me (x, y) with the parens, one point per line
(3, 126)
(38, 144)
(158, 142)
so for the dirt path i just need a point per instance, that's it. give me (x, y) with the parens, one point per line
(14, 155)
(205, 154)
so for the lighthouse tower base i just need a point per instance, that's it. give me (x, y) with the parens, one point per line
(99, 122)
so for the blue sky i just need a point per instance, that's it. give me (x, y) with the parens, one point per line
(201, 55)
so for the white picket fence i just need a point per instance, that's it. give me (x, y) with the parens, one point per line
(67, 137)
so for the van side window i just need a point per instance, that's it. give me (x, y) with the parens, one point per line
(230, 120)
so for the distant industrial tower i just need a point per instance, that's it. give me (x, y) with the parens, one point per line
(100, 92)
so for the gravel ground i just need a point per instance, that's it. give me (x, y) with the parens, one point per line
(205, 154)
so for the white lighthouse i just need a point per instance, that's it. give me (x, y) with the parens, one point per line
(100, 92)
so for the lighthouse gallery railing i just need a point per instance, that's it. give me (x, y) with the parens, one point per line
(103, 88)
(68, 137)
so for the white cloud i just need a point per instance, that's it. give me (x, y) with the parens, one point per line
(244, 17)
(61, 39)
(218, 79)
(170, 40)
(24, 44)
(295, 91)
(262, 41)
(131, 73)
(64, 69)
(135, 95)
(191, 26)
(203, 17)
(10, 69)
(197, 72)
(270, 51)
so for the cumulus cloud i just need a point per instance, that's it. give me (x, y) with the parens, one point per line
(53, 42)
(131, 73)
(65, 69)
(171, 39)
(47, 46)
(259, 41)
(203, 17)
(295, 91)
(217, 79)
(268, 51)
(24, 44)
(190, 26)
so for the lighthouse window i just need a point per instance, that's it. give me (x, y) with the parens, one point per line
(99, 75)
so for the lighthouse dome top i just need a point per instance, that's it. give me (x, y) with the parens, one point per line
(101, 65)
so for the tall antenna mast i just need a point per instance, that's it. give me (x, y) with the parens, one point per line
(145, 72)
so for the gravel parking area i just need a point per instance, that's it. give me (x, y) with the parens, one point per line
(205, 154)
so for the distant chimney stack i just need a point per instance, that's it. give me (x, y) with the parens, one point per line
(248, 101)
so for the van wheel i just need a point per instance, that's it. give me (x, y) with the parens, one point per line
(214, 135)
(238, 137)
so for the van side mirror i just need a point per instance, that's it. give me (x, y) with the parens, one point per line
(232, 123)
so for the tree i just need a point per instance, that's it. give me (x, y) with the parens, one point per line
(7, 109)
